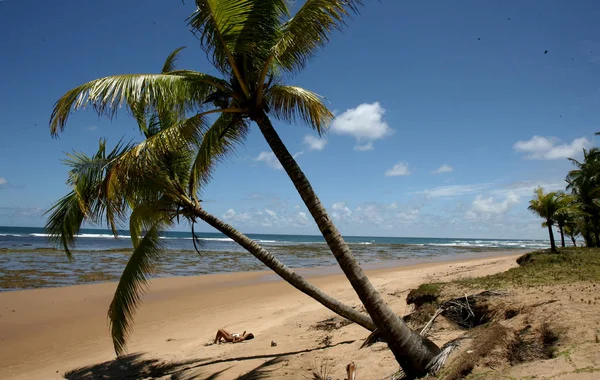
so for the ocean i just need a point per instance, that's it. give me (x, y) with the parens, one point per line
(28, 260)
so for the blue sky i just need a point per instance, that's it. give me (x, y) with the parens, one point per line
(491, 95)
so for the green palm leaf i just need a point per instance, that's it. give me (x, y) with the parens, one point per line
(168, 151)
(219, 141)
(146, 215)
(132, 286)
(65, 222)
(292, 104)
(171, 59)
(229, 30)
(182, 93)
(86, 200)
(309, 30)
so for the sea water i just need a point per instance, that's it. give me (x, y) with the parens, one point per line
(29, 260)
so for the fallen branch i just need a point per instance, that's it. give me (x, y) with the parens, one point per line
(430, 323)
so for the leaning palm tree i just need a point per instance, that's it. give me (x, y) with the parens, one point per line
(545, 205)
(149, 180)
(255, 46)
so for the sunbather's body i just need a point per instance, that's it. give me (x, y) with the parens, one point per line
(232, 338)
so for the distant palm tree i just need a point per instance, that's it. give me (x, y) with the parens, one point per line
(255, 46)
(149, 181)
(584, 184)
(545, 206)
(572, 231)
(565, 214)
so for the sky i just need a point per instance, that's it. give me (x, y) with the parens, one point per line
(448, 114)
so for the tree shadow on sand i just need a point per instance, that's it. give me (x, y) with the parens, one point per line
(131, 367)
(135, 367)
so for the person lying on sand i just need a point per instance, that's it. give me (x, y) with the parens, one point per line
(232, 338)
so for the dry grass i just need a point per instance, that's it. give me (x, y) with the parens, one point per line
(533, 344)
(323, 369)
(485, 340)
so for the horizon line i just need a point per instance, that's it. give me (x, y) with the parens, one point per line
(312, 235)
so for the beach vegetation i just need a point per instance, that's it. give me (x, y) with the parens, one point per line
(514, 319)
(584, 184)
(575, 211)
(549, 206)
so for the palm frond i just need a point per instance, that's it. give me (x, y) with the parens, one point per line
(170, 61)
(219, 141)
(230, 30)
(132, 286)
(86, 201)
(89, 176)
(142, 172)
(293, 104)
(146, 215)
(64, 222)
(182, 93)
(309, 30)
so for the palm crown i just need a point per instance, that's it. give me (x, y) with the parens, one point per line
(545, 205)
(254, 45)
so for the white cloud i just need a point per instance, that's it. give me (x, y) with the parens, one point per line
(315, 143)
(365, 123)
(269, 159)
(22, 212)
(231, 215)
(484, 208)
(526, 188)
(272, 161)
(340, 210)
(253, 218)
(454, 190)
(443, 169)
(301, 218)
(3, 181)
(550, 148)
(369, 215)
(401, 168)
(363, 148)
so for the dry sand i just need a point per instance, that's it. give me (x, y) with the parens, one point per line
(45, 333)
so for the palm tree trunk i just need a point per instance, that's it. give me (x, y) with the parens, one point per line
(284, 272)
(587, 235)
(562, 236)
(552, 243)
(412, 351)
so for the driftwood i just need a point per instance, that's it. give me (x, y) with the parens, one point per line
(425, 329)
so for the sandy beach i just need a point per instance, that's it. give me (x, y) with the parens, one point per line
(45, 333)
